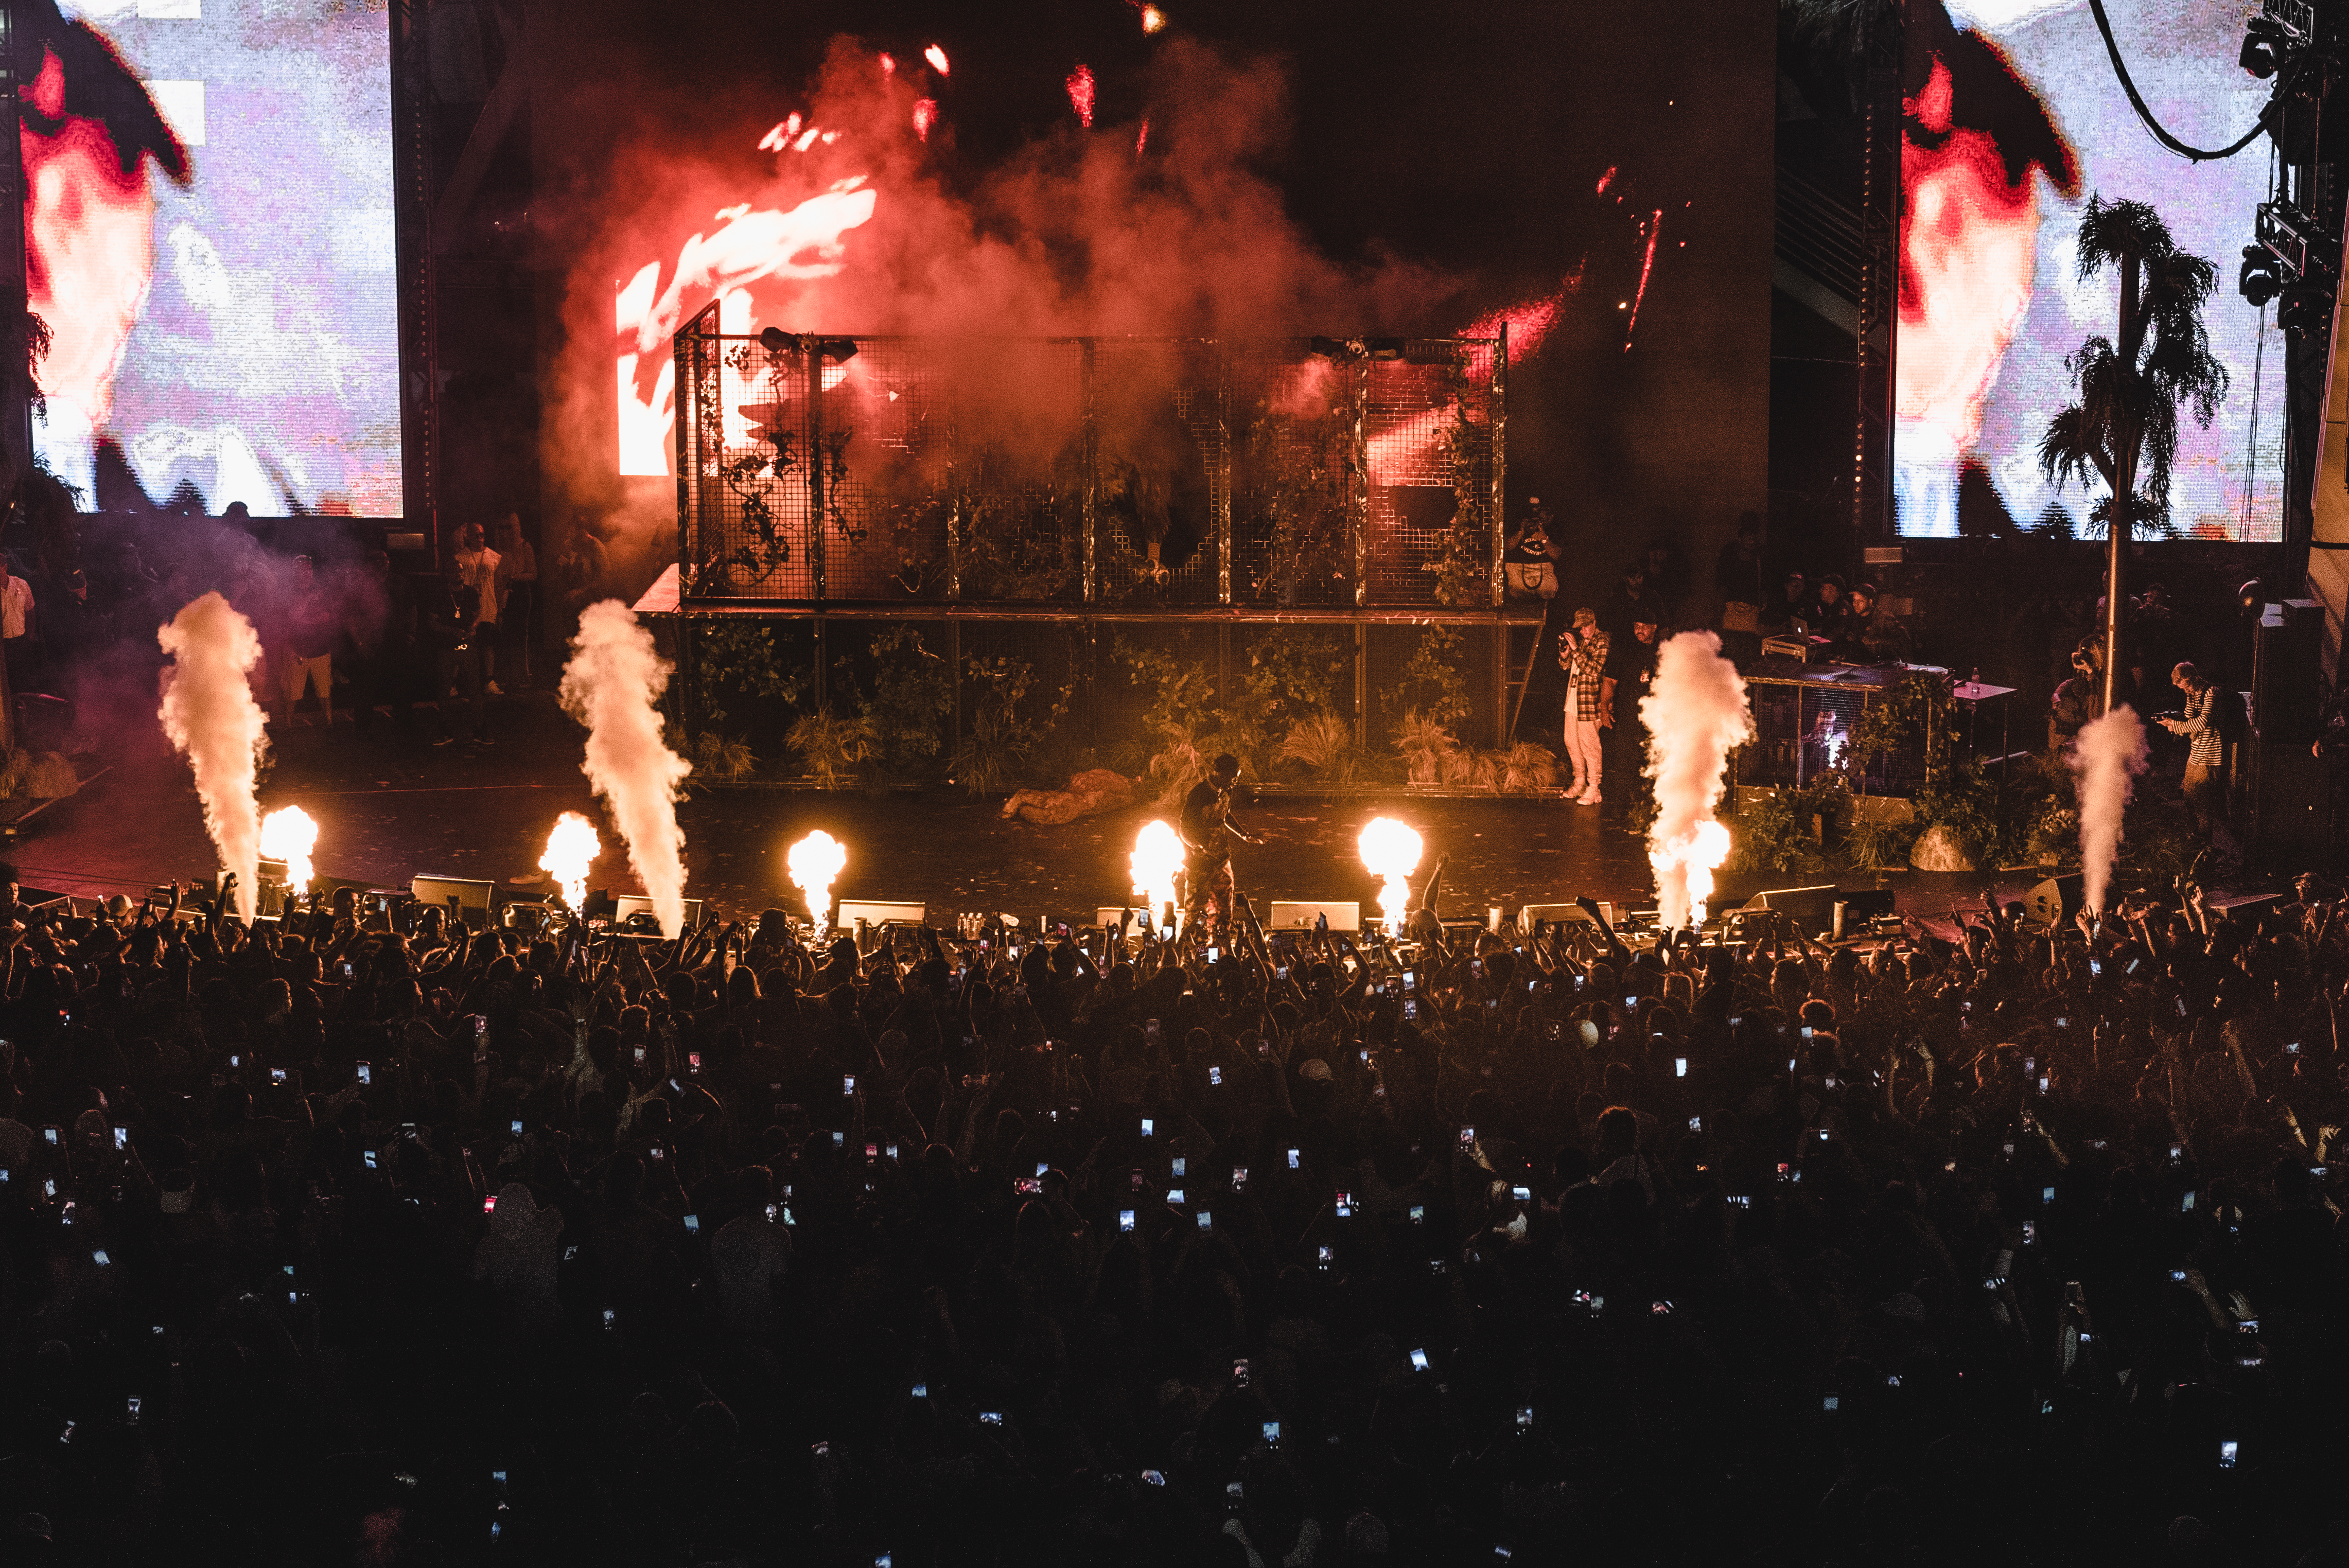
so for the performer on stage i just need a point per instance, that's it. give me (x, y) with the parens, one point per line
(1207, 834)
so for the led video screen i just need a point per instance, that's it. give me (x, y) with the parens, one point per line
(209, 238)
(2012, 119)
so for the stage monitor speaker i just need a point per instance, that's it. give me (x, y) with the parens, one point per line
(2056, 900)
(1864, 904)
(1812, 908)
(628, 905)
(2288, 673)
(875, 913)
(1290, 913)
(472, 896)
(1556, 914)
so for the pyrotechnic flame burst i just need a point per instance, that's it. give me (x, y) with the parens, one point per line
(288, 834)
(571, 848)
(1157, 856)
(938, 58)
(1391, 849)
(814, 860)
(1081, 95)
(1696, 714)
(1689, 861)
(1153, 18)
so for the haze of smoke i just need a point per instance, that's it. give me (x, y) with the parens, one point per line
(613, 685)
(1696, 714)
(2108, 756)
(209, 713)
(1074, 234)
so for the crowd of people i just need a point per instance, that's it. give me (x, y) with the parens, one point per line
(364, 1236)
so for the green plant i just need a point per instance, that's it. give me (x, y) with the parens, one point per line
(834, 749)
(721, 760)
(1323, 742)
(1529, 767)
(1291, 677)
(1426, 745)
(736, 661)
(1790, 831)
(1432, 681)
(912, 695)
(1880, 843)
(1005, 731)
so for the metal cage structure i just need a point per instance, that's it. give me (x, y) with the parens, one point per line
(832, 474)
(1098, 480)
(1802, 721)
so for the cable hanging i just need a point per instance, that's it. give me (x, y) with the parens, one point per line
(2199, 154)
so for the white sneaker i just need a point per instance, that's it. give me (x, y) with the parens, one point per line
(493, 689)
(1589, 799)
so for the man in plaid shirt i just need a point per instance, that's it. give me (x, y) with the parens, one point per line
(2206, 755)
(1582, 654)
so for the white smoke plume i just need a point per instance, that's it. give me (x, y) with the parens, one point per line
(611, 685)
(2108, 756)
(1696, 714)
(209, 713)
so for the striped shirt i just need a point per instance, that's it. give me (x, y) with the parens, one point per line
(2200, 720)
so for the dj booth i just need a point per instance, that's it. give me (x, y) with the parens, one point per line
(1803, 719)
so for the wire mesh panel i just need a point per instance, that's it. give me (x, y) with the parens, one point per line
(1162, 471)
(1427, 432)
(1290, 474)
(1117, 472)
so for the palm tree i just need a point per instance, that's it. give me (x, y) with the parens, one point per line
(2130, 390)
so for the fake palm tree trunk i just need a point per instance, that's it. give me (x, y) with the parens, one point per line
(2126, 440)
(2126, 420)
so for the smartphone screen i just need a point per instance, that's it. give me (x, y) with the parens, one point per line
(1419, 1361)
(367, 1074)
(1149, 1127)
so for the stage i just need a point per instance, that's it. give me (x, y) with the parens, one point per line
(390, 809)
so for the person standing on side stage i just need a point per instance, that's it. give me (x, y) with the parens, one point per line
(1630, 670)
(1207, 834)
(1582, 654)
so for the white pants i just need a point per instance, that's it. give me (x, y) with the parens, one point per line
(1582, 750)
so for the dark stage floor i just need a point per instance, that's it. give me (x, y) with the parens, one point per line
(389, 807)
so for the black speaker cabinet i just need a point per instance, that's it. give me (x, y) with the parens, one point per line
(2288, 672)
(2056, 900)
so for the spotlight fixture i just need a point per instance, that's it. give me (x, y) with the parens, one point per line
(1334, 348)
(2260, 280)
(2264, 48)
(839, 349)
(775, 340)
(2275, 38)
